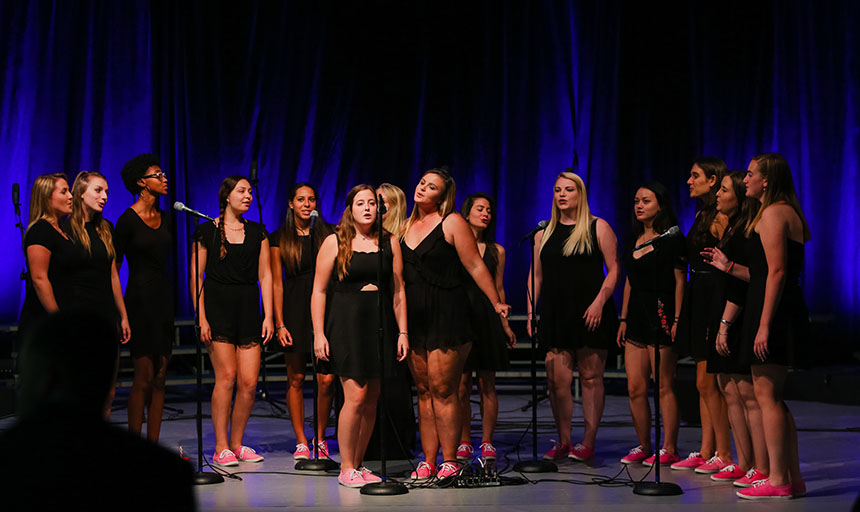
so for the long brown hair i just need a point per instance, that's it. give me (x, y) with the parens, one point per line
(40, 196)
(712, 167)
(346, 230)
(488, 235)
(77, 219)
(780, 188)
(289, 243)
(449, 196)
(227, 186)
(747, 206)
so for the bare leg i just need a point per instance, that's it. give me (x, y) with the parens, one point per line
(708, 442)
(141, 389)
(559, 374)
(426, 417)
(668, 402)
(715, 405)
(793, 457)
(224, 362)
(112, 391)
(489, 405)
(248, 370)
(466, 406)
(368, 419)
(444, 369)
(737, 418)
(325, 397)
(156, 402)
(591, 363)
(754, 421)
(349, 421)
(768, 382)
(638, 367)
(295, 396)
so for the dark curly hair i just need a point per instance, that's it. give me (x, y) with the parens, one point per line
(135, 169)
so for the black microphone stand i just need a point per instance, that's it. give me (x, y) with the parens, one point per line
(200, 478)
(315, 463)
(535, 465)
(20, 225)
(386, 487)
(656, 488)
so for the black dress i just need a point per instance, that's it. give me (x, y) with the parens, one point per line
(651, 308)
(733, 290)
(352, 317)
(65, 258)
(436, 301)
(90, 280)
(789, 327)
(704, 299)
(149, 292)
(569, 286)
(231, 293)
(297, 299)
(490, 343)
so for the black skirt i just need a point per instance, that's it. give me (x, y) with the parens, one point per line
(233, 312)
(352, 329)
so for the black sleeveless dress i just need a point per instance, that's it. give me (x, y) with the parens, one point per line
(570, 284)
(789, 328)
(231, 292)
(436, 300)
(704, 299)
(352, 317)
(733, 290)
(651, 308)
(490, 343)
(297, 299)
(90, 280)
(149, 292)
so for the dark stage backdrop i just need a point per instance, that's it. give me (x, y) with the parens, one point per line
(506, 93)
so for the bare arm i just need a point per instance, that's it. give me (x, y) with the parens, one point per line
(196, 286)
(325, 263)
(538, 281)
(500, 288)
(38, 261)
(622, 326)
(680, 283)
(264, 276)
(116, 288)
(773, 230)
(399, 290)
(730, 312)
(608, 246)
(467, 249)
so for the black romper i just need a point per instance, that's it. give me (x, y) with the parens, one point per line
(65, 258)
(231, 292)
(733, 290)
(90, 280)
(569, 286)
(490, 343)
(651, 308)
(789, 328)
(149, 292)
(704, 299)
(436, 301)
(352, 317)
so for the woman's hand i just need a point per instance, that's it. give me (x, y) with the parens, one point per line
(125, 330)
(722, 343)
(622, 334)
(284, 336)
(760, 345)
(502, 309)
(593, 315)
(268, 330)
(673, 331)
(321, 347)
(402, 346)
(205, 332)
(529, 321)
(716, 258)
(512, 338)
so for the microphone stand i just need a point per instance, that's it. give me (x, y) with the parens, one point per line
(316, 463)
(200, 478)
(386, 487)
(535, 465)
(16, 202)
(656, 488)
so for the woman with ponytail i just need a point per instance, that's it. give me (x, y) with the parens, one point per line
(234, 254)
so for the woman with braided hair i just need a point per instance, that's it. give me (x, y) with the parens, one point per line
(234, 254)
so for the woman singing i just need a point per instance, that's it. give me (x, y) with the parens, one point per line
(51, 256)
(578, 318)
(491, 335)
(696, 328)
(292, 258)
(234, 254)
(143, 236)
(95, 281)
(436, 245)
(653, 293)
(346, 322)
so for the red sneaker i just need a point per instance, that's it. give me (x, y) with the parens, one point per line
(729, 473)
(748, 480)
(368, 475)
(692, 461)
(423, 472)
(225, 458)
(464, 452)
(488, 451)
(302, 452)
(714, 465)
(764, 491)
(666, 458)
(798, 490)
(351, 478)
(246, 454)
(558, 451)
(581, 452)
(635, 456)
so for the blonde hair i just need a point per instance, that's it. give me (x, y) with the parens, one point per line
(780, 188)
(346, 231)
(449, 196)
(40, 196)
(77, 219)
(580, 239)
(396, 200)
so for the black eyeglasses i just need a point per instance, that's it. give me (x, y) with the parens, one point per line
(157, 175)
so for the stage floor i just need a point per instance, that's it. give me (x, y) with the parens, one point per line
(829, 451)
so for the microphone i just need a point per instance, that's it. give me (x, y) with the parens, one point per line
(314, 215)
(180, 206)
(381, 209)
(16, 198)
(252, 176)
(540, 225)
(673, 231)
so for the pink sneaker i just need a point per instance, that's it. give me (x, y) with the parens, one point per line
(764, 491)
(464, 452)
(635, 456)
(368, 475)
(424, 471)
(225, 458)
(488, 451)
(748, 480)
(302, 452)
(447, 470)
(714, 465)
(580, 452)
(351, 478)
(798, 490)
(558, 451)
(246, 454)
(322, 450)
(692, 461)
(665, 459)
(729, 473)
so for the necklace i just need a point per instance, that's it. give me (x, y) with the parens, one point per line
(242, 228)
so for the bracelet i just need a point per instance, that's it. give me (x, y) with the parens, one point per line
(724, 321)
(729, 270)
(622, 320)
(278, 328)
(404, 333)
